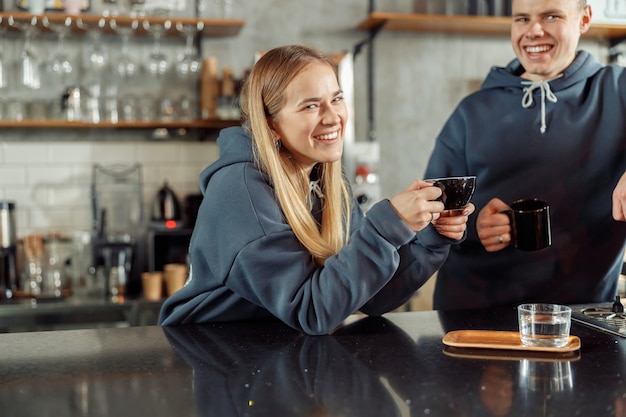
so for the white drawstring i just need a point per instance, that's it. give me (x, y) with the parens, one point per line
(314, 186)
(546, 93)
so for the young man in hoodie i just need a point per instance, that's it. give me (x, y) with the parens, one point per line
(550, 125)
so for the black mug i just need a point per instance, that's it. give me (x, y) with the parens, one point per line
(530, 224)
(456, 192)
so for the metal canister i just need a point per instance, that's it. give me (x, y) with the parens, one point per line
(7, 224)
(71, 104)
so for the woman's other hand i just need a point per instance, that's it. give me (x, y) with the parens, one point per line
(453, 223)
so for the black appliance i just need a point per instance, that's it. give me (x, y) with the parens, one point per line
(118, 227)
(168, 238)
(166, 211)
(8, 250)
(167, 246)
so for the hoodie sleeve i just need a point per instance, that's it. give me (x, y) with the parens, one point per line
(276, 272)
(247, 263)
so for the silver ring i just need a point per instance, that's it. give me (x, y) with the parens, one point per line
(432, 217)
(500, 239)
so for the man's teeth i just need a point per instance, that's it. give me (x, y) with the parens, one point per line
(537, 49)
(330, 136)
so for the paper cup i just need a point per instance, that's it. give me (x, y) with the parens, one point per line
(152, 285)
(175, 277)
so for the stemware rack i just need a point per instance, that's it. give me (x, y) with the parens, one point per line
(80, 25)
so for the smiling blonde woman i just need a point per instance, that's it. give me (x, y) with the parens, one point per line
(278, 234)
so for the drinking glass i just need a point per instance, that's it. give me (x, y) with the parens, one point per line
(544, 324)
(4, 73)
(110, 8)
(146, 108)
(95, 66)
(186, 109)
(189, 63)
(95, 57)
(217, 9)
(125, 66)
(15, 110)
(30, 75)
(157, 64)
(60, 66)
(128, 108)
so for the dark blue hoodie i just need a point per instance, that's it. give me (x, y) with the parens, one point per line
(568, 149)
(246, 262)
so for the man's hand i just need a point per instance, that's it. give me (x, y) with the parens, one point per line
(494, 227)
(619, 200)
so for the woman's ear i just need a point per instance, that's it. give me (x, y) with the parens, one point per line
(273, 131)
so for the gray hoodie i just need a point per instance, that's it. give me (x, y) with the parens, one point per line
(246, 262)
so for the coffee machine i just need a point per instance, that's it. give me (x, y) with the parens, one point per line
(8, 250)
(118, 227)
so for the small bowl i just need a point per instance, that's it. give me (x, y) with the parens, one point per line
(457, 192)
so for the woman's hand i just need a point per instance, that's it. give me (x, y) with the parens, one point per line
(417, 205)
(493, 226)
(453, 223)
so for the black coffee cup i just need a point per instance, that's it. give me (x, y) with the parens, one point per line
(530, 224)
(456, 192)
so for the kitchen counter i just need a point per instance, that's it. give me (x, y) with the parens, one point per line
(396, 365)
(75, 313)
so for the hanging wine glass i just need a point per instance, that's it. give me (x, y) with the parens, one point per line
(4, 82)
(30, 75)
(189, 63)
(95, 65)
(95, 57)
(125, 66)
(157, 64)
(60, 67)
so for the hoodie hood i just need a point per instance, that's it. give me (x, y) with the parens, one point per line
(546, 91)
(235, 145)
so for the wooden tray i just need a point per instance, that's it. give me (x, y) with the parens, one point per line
(511, 355)
(492, 339)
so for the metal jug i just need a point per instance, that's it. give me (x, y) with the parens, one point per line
(7, 224)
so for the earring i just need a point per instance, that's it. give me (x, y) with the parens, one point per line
(277, 143)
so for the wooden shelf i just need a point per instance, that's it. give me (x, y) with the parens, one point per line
(61, 124)
(83, 23)
(79, 25)
(475, 25)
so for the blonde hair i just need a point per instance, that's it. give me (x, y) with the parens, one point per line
(262, 97)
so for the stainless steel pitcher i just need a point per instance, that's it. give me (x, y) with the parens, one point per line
(7, 224)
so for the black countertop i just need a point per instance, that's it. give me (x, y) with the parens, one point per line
(75, 313)
(391, 366)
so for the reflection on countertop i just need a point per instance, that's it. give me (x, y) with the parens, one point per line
(394, 365)
(32, 314)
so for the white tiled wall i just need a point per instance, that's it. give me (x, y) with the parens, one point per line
(50, 182)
